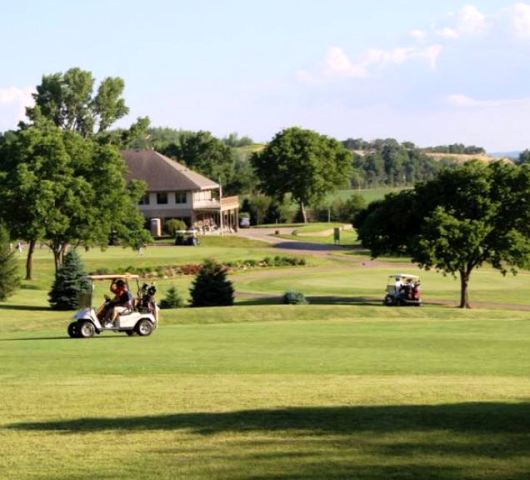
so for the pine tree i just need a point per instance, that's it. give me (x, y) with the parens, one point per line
(172, 299)
(9, 279)
(211, 288)
(69, 283)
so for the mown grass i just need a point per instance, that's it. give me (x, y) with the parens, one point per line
(341, 388)
(369, 195)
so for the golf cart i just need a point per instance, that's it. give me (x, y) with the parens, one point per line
(141, 317)
(403, 289)
(186, 237)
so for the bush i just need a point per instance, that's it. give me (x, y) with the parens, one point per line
(294, 298)
(211, 288)
(173, 225)
(69, 283)
(172, 299)
(9, 279)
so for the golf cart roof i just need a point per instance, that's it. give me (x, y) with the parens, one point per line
(124, 276)
(403, 275)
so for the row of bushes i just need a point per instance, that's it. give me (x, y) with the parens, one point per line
(193, 269)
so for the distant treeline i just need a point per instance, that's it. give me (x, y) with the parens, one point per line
(388, 162)
(375, 163)
(360, 144)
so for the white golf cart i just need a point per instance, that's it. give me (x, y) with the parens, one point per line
(141, 318)
(403, 289)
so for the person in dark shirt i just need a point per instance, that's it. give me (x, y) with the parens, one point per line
(121, 302)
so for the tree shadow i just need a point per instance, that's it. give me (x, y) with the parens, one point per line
(314, 300)
(479, 418)
(273, 300)
(338, 300)
(405, 442)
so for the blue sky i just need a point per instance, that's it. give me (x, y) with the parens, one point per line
(428, 72)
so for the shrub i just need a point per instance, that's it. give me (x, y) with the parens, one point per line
(173, 225)
(69, 283)
(9, 279)
(211, 287)
(172, 299)
(294, 298)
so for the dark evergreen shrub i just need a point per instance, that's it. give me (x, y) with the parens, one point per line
(294, 298)
(9, 278)
(211, 288)
(172, 299)
(68, 284)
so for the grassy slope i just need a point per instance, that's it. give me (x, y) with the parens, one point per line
(317, 391)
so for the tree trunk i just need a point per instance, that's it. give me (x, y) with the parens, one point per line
(302, 210)
(464, 294)
(29, 259)
(59, 250)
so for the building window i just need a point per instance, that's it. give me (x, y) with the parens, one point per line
(161, 198)
(180, 197)
(144, 200)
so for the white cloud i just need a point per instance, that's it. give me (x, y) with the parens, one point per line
(14, 98)
(418, 35)
(337, 63)
(521, 20)
(463, 101)
(470, 21)
(447, 32)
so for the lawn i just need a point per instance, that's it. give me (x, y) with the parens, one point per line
(369, 194)
(342, 388)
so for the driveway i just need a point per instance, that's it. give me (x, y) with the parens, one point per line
(267, 235)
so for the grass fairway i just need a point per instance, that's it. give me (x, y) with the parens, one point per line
(331, 390)
(273, 392)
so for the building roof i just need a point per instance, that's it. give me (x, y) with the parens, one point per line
(163, 174)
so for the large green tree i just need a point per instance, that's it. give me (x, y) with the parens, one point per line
(303, 163)
(68, 100)
(59, 187)
(466, 217)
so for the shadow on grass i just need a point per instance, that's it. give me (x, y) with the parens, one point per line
(427, 442)
(314, 300)
(27, 308)
(66, 337)
(479, 418)
(336, 300)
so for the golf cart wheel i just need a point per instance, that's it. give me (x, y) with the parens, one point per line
(144, 328)
(73, 330)
(130, 333)
(86, 329)
(389, 300)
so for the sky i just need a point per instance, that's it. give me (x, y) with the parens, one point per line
(428, 72)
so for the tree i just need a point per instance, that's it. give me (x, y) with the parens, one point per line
(9, 279)
(69, 283)
(67, 99)
(466, 217)
(172, 299)
(524, 156)
(204, 153)
(56, 185)
(211, 288)
(304, 163)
